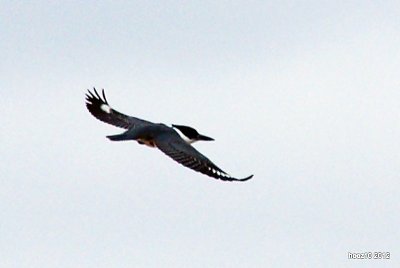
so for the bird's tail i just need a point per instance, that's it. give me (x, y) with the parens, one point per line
(119, 137)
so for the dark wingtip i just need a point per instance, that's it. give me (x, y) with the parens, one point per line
(244, 179)
(94, 96)
(247, 178)
(104, 96)
(234, 179)
(94, 102)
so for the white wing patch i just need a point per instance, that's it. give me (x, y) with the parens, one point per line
(105, 108)
(219, 173)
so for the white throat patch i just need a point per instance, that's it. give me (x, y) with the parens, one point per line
(186, 139)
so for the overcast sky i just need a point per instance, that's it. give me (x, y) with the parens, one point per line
(302, 94)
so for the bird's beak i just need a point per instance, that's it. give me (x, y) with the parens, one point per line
(205, 138)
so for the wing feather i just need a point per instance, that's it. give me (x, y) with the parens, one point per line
(176, 148)
(98, 106)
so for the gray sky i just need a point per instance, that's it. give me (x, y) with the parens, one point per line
(304, 94)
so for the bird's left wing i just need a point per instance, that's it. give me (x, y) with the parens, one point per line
(175, 147)
(99, 108)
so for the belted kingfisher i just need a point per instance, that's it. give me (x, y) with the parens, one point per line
(174, 141)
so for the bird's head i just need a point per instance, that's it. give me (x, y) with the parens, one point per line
(189, 134)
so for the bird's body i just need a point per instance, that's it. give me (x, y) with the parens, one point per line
(174, 141)
(146, 134)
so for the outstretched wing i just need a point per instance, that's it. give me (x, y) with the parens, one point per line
(176, 148)
(99, 108)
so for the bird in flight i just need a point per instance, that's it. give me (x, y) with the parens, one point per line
(174, 141)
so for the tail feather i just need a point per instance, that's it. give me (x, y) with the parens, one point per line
(119, 137)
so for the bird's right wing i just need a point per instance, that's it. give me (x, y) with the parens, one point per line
(176, 148)
(99, 108)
